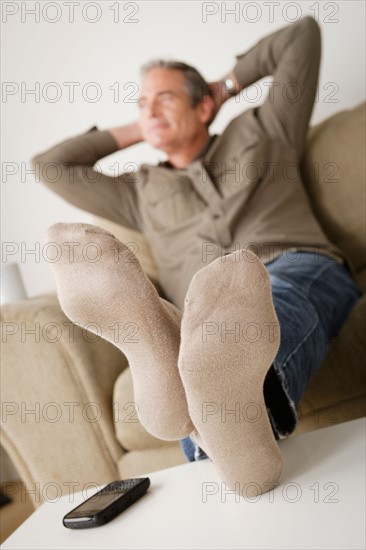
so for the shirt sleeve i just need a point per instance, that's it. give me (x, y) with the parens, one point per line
(69, 170)
(292, 55)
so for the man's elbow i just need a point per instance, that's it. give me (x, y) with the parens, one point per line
(311, 25)
(38, 164)
(46, 170)
(309, 35)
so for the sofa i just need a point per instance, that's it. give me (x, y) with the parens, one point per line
(68, 416)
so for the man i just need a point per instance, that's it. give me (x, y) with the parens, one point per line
(253, 289)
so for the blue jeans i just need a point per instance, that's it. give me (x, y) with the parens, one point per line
(312, 295)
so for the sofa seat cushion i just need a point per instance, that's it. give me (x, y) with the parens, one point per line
(337, 391)
(138, 463)
(333, 167)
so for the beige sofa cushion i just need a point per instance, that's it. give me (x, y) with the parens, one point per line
(137, 463)
(334, 172)
(337, 391)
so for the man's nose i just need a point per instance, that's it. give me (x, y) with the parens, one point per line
(151, 108)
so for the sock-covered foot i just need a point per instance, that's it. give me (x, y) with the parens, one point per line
(101, 286)
(229, 339)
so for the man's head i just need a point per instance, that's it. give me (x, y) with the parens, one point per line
(175, 104)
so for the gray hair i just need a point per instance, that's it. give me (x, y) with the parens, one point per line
(195, 85)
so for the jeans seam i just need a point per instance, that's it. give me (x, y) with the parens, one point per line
(307, 335)
(314, 326)
(315, 279)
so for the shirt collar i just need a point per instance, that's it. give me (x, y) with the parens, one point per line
(201, 154)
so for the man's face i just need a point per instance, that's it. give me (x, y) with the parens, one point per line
(166, 117)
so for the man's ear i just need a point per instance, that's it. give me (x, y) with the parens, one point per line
(206, 109)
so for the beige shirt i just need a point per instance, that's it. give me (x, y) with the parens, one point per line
(243, 190)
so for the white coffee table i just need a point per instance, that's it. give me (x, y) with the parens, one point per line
(319, 504)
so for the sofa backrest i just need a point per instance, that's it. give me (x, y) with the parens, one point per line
(136, 242)
(333, 168)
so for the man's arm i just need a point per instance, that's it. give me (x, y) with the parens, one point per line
(68, 170)
(127, 135)
(292, 56)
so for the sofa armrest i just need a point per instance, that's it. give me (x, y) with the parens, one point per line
(57, 384)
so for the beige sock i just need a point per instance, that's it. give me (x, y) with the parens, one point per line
(99, 280)
(223, 372)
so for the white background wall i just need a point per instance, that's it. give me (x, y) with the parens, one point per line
(36, 51)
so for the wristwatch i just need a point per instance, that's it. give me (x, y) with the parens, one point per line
(229, 86)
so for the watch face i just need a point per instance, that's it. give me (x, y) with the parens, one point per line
(229, 86)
